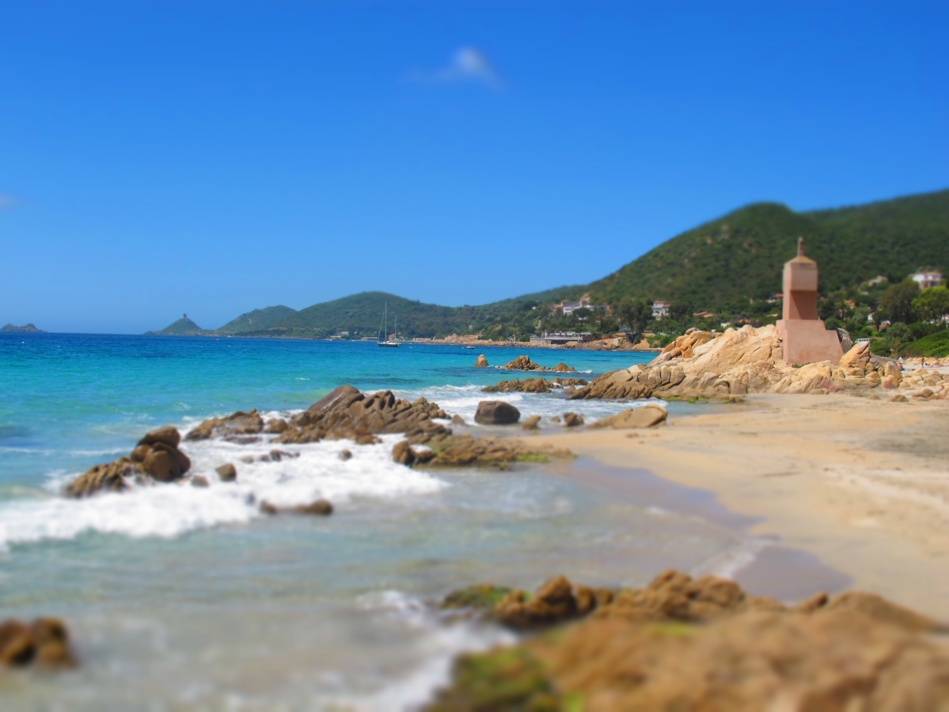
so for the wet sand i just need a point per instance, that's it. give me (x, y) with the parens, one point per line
(862, 485)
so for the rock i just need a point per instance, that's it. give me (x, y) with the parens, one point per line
(350, 414)
(233, 425)
(275, 425)
(563, 368)
(458, 420)
(523, 363)
(532, 423)
(643, 417)
(467, 451)
(572, 420)
(699, 644)
(227, 472)
(482, 361)
(496, 413)
(320, 507)
(402, 453)
(857, 355)
(483, 597)
(528, 385)
(199, 481)
(156, 458)
(345, 454)
(44, 642)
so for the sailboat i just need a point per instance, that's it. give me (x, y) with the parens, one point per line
(384, 338)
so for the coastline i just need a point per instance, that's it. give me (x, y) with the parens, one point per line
(859, 484)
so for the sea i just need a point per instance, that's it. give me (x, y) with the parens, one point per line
(183, 598)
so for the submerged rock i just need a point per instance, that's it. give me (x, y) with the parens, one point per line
(532, 423)
(44, 642)
(156, 458)
(447, 450)
(481, 361)
(319, 507)
(572, 420)
(496, 413)
(234, 425)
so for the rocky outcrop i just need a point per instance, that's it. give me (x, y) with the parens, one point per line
(572, 420)
(682, 643)
(44, 642)
(533, 385)
(701, 364)
(233, 426)
(644, 417)
(156, 458)
(495, 412)
(481, 361)
(525, 363)
(448, 450)
(349, 413)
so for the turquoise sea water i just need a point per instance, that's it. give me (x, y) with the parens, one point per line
(188, 598)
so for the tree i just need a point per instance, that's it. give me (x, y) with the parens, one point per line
(932, 304)
(635, 314)
(896, 305)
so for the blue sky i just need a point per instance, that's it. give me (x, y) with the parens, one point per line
(214, 157)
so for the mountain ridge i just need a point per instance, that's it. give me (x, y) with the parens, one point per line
(721, 265)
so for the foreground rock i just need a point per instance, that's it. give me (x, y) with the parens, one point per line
(156, 458)
(643, 417)
(701, 364)
(687, 644)
(496, 413)
(233, 426)
(44, 642)
(349, 413)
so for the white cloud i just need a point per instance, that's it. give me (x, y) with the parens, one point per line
(468, 64)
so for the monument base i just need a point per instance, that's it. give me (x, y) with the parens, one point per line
(807, 341)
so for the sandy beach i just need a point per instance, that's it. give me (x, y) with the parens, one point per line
(861, 484)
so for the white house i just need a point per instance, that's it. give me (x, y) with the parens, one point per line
(927, 278)
(660, 309)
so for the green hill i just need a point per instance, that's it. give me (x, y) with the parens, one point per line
(258, 320)
(727, 261)
(182, 327)
(723, 266)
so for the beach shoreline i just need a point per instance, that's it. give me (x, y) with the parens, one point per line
(860, 484)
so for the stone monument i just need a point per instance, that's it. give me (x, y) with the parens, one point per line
(804, 337)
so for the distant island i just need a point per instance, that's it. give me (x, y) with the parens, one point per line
(24, 329)
(721, 273)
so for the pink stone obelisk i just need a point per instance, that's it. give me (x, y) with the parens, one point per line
(804, 337)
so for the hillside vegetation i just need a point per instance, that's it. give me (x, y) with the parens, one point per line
(729, 269)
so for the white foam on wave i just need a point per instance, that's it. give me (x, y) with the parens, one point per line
(168, 510)
(731, 561)
(463, 401)
(438, 646)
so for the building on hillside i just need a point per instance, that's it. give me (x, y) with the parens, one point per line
(585, 302)
(927, 278)
(660, 309)
(562, 337)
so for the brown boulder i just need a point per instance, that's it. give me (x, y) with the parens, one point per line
(402, 453)
(643, 417)
(523, 363)
(167, 435)
(227, 472)
(572, 420)
(528, 385)
(230, 426)
(44, 642)
(481, 361)
(496, 413)
(275, 425)
(563, 368)
(320, 507)
(532, 423)
(345, 454)
(200, 481)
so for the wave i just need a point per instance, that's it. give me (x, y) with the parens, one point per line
(170, 510)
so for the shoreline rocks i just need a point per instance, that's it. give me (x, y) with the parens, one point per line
(526, 363)
(646, 416)
(534, 385)
(156, 458)
(702, 364)
(495, 412)
(231, 427)
(43, 642)
(685, 643)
